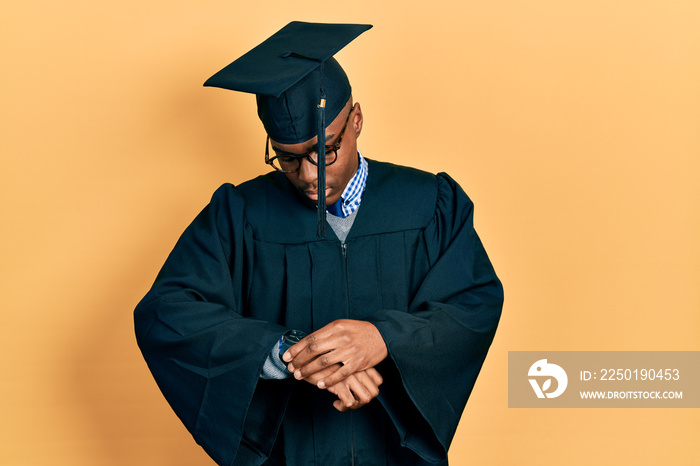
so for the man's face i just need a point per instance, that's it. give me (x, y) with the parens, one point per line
(342, 170)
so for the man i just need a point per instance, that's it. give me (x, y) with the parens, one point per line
(277, 342)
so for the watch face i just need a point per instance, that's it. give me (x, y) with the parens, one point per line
(294, 336)
(290, 339)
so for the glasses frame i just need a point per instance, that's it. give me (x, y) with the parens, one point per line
(309, 154)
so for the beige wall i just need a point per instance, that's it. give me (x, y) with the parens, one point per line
(574, 126)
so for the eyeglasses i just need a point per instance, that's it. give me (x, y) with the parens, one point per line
(289, 163)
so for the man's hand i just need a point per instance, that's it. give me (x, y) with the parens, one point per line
(338, 350)
(355, 391)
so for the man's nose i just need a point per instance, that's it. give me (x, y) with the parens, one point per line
(308, 172)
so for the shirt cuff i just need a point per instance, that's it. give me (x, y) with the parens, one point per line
(274, 368)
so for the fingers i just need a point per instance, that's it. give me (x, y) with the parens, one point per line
(311, 345)
(363, 388)
(346, 399)
(371, 379)
(313, 379)
(337, 404)
(360, 386)
(375, 376)
(337, 376)
(306, 350)
(319, 365)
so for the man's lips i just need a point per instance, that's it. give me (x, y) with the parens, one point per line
(313, 194)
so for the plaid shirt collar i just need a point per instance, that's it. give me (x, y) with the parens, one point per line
(352, 195)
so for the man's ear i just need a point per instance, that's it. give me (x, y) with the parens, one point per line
(357, 120)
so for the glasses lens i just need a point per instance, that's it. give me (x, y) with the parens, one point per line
(285, 164)
(331, 155)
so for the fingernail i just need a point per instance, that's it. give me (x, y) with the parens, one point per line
(297, 375)
(291, 368)
(321, 384)
(286, 357)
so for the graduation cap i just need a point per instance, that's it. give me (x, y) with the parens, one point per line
(298, 86)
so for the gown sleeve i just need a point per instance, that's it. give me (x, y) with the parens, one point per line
(437, 348)
(205, 355)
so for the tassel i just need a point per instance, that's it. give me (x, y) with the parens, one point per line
(321, 174)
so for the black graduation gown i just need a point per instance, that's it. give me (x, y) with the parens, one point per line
(250, 267)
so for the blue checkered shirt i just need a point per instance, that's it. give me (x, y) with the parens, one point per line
(352, 195)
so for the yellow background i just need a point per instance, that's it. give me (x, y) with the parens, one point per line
(574, 126)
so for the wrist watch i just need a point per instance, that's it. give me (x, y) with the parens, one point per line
(288, 340)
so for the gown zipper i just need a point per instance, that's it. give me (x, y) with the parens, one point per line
(344, 249)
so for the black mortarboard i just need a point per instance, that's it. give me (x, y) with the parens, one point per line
(298, 85)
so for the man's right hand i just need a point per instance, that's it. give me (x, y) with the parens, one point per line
(355, 391)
